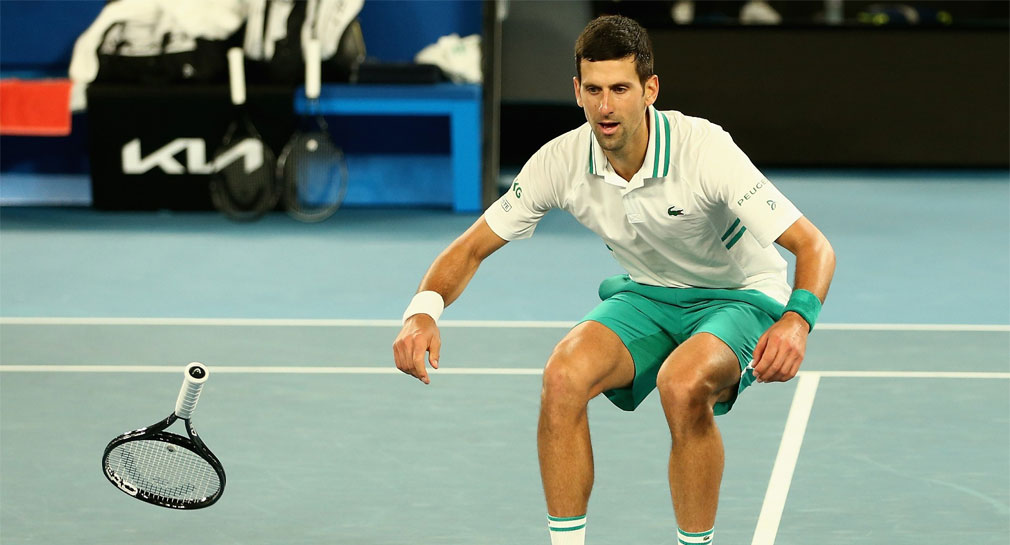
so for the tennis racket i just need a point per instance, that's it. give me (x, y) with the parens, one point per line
(163, 468)
(312, 168)
(243, 189)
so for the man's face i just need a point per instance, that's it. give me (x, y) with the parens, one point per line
(615, 101)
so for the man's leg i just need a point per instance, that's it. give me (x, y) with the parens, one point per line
(589, 360)
(701, 371)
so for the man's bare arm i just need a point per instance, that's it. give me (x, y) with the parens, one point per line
(780, 350)
(455, 266)
(815, 258)
(448, 276)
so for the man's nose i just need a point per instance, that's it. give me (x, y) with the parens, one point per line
(605, 103)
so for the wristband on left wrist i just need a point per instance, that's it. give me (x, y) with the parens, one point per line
(806, 304)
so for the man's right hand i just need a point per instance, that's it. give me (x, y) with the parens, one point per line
(418, 335)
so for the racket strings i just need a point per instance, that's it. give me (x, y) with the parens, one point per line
(315, 175)
(164, 469)
(245, 191)
(242, 190)
(315, 187)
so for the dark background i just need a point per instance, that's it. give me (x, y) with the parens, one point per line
(799, 94)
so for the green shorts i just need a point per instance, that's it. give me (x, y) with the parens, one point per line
(652, 321)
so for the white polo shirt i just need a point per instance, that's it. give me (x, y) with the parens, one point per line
(698, 214)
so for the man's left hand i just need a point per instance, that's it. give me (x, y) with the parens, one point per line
(780, 350)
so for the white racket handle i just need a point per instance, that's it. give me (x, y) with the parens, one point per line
(313, 65)
(192, 385)
(236, 75)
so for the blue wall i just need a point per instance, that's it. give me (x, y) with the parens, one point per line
(37, 36)
(395, 30)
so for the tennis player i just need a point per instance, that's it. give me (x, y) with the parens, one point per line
(692, 221)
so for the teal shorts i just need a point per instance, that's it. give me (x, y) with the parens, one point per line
(652, 321)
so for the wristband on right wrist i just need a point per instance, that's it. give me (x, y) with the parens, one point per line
(425, 302)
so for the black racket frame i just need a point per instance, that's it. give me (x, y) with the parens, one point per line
(267, 193)
(155, 432)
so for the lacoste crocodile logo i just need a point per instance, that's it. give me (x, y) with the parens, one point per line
(674, 211)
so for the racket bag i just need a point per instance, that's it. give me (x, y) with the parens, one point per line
(157, 42)
(276, 31)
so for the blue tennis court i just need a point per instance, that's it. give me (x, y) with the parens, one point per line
(896, 431)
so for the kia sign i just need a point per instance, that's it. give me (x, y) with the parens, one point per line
(156, 147)
(249, 150)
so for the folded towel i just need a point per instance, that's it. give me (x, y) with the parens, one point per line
(35, 107)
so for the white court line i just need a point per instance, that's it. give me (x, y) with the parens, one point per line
(909, 374)
(545, 324)
(391, 370)
(274, 322)
(233, 322)
(785, 461)
(262, 370)
(914, 327)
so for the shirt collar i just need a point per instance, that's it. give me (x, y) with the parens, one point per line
(657, 155)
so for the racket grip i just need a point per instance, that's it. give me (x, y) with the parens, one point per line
(236, 75)
(192, 384)
(313, 61)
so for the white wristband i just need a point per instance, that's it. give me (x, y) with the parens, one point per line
(425, 302)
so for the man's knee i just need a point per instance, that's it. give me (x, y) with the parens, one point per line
(684, 390)
(588, 361)
(565, 380)
(697, 375)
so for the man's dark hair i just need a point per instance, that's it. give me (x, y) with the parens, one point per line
(615, 37)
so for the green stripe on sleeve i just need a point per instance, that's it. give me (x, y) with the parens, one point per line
(736, 238)
(730, 230)
(591, 162)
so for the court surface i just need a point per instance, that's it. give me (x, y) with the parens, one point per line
(896, 431)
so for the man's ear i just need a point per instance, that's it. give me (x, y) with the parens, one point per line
(651, 89)
(578, 95)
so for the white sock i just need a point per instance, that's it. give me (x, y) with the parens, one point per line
(695, 538)
(567, 530)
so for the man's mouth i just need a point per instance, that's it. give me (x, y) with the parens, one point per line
(608, 127)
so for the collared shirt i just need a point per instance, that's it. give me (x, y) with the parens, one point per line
(697, 214)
